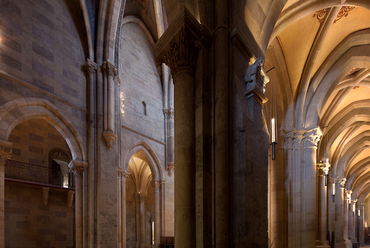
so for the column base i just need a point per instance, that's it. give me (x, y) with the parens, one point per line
(322, 244)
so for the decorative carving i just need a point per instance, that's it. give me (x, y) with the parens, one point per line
(348, 194)
(312, 138)
(109, 138)
(170, 169)
(341, 182)
(182, 53)
(156, 184)
(77, 167)
(324, 167)
(5, 153)
(169, 113)
(91, 66)
(320, 14)
(110, 69)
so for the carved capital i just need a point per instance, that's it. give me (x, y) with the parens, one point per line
(5, 151)
(182, 53)
(312, 138)
(348, 194)
(77, 167)
(170, 169)
(109, 138)
(156, 184)
(110, 69)
(341, 182)
(91, 66)
(324, 167)
(180, 43)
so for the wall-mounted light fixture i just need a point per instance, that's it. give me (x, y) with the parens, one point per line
(333, 192)
(358, 212)
(326, 170)
(273, 137)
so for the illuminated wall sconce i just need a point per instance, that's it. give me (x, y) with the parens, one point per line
(122, 101)
(273, 137)
(333, 192)
(358, 212)
(326, 170)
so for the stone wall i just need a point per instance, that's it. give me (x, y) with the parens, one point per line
(140, 82)
(29, 223)
(33, 140)
(43, 48)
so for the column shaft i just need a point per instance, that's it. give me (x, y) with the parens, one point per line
(137, 219)
(79, 211)
(185, 160)
(322, 227)
(309, 198)
(339, 212)
(142, 221)
(123, 210)
(157, 214)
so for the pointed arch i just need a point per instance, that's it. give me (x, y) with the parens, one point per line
(16, 111)
(147, 155)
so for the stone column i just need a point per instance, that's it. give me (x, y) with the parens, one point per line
(163, 210)
(109, 107)
(124, 176)
(339, 212)
(347, 211)
(78, 167)
(143, 242)
(178, 48)
(157, 213)
(288, 148)
(5, 153)
(361, 225)
(311, 138)
(322, 208)
(89, 182)
(352, 221)
(137, 218)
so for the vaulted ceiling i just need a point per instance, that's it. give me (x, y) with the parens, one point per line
(321, 63)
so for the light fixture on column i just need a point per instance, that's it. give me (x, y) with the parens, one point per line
(273, 137)
(333, 192)
(358, 212)
(326, 170)
(349, 192)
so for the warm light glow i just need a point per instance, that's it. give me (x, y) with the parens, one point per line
(358, 212)
(333, 188)
(273, 130)
(327, 161)
(354, 207)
